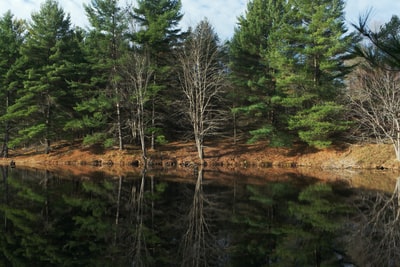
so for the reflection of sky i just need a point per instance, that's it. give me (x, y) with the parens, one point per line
(221, 13)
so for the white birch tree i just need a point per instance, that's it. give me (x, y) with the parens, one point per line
(138, 73)
(202, 80)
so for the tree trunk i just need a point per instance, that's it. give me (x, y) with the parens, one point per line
(153, 123)
(4, 151)
(234, 129)
(47, 134)
(200, 149)
(47, 146)
(397, 142)
(120, 142)
(118, 110)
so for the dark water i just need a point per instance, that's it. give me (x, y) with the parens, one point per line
(147, 220)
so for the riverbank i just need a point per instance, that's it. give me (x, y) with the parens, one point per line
(221, 154)
(355, 165)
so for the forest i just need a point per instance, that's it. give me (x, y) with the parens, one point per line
(291, 73)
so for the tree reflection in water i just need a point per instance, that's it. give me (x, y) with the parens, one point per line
(145, 220)
(312, 238)
(194, 244)
(4, 173)
(377, 241)
(140, 254)
(289, 226)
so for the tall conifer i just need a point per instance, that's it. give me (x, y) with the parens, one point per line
(308, 56)
(253, 84)
(11, 38)
(101, 103)
(43, 102)
(159, 34)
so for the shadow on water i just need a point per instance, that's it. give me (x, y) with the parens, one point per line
(377, 239)
(152, 218)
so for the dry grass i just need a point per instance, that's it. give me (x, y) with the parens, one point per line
(218, 153)
(253, 160)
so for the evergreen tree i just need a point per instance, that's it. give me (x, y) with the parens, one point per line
(100, 106)
(251, 74)
(261, 223)
(381, 48)
(314, 222)
(43, 103)
(79, 84)
(11, 38)
(159, 35)
(159, 21)
(308, 59)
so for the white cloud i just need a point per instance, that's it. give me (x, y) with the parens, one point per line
(76, 11)
(222, 14)
(24, 9)
(20, 8)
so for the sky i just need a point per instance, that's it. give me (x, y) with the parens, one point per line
(221, 13)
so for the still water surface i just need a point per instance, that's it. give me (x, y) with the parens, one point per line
(148, 219)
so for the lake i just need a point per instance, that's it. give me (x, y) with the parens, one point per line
(195, 217)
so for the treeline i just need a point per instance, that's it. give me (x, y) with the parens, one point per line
(134, 77)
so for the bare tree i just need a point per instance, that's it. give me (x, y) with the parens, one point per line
(374, 95)
(379, 228)
(202, 79)
(196, 240)
(139, 73)
(139, 251)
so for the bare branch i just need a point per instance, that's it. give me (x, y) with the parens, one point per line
(374, 95)
(202, 81)
(379, 224)
(138, 73)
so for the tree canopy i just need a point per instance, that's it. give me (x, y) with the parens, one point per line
(115, 82)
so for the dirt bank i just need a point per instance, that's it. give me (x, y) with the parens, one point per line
(221, 154)
(367, 166)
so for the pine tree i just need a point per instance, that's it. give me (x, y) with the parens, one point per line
(43, 102)
(313, 220)
(381, 48)
(100, 106)
(159, 21)
(251, 74)
(159, 34)
(11, 38)
(79, 84)
(307, 55)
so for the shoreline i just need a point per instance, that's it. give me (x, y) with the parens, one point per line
(353, 165)
(224, 155)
